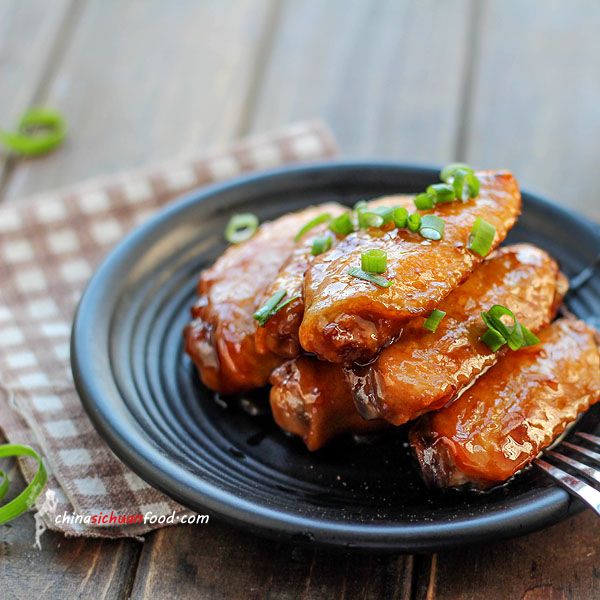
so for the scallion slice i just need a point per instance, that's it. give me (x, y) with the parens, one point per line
(374, 261)
(318, 220)
(368, 218)
(414, 222)
(39, 131)
(385, 212)
(482, 237)
(432, 227)
(25, 500)
(400, 217)
(270, 307)
(529, 338)
(241, 227)
(370, 277)
(321, 244)
(433, 320)
(424, 201)
(493, 340)
(442, 192)
(449, 171)
(342, 225)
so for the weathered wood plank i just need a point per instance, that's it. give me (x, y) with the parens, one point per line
(29, 41)
(559, 562)
(535, 104)
(144, 81)
(386, 75)
(65, 567)
(219, 561)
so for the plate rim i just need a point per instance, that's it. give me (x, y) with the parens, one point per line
(552, 505)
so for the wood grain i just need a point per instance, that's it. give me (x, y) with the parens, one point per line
(535, 95)
(65, 567)
(559, 562)
(219, 561)
(386, 75)
(29, 41)
(144, 81)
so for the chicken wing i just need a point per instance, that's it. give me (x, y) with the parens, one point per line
(311, 399)
(220, 338)
(515, 410)
(423, 370)
(280, 334)
(347, 319)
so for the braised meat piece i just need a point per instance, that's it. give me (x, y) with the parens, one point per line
(220, 338)
(511, 413)
(347, 319)
(423, 370)
(311, 399)
(280, 334)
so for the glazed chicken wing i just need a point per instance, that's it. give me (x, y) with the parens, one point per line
(511, 413)
(423, 370)
(279, 335)
(311, 399)
(220, 339)
(347, 319)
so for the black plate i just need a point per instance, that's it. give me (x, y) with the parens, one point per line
(227, 456)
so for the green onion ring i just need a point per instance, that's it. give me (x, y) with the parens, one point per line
(400, 216)
(342, 225)
(493, 340)
(448, 172)
(481, 238)
(241, 227)
(39, 131)
(432, 227)
(370, 277)
(424, 201)
(442, 192)
(414, 222)
(25, 500)
(374, 261)
(321, 244)
(433, 320)
(318, 220)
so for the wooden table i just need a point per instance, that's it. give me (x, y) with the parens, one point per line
(499, 83)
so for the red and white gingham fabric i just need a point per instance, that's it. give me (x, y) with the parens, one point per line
(49, 248)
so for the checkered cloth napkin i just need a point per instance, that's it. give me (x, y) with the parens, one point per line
(49, 248)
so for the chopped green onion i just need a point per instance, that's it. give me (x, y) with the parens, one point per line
(513, 334)
(414, 222)
(39, 131)
(473, 185)
(367, 218)
(482, 237)
(449, 171)
(433, 320)
(370, 277)
(322, 218)
(443, 192)
(385, 212)
(25, 500)
(424, 201)
(374, 261)
(360, 205)
(321, 244)
(493, 340)
(400, 217)
(432, 227)
(517, 336)
(342, 225)
(270, 307)
(241, 227)
(529, 338)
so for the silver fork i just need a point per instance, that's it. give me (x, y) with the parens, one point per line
(587, 475)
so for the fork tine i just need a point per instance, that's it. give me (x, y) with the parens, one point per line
(584, 491)
(575, 464)
(589, 453)
(592, 439)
